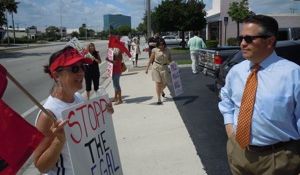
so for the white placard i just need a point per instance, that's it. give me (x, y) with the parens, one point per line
(176, 81)
(110, 56)
(91, 138)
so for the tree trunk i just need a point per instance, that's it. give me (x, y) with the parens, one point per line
(12, 18)
(7, 31)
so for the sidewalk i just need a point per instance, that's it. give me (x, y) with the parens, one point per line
(152, 139)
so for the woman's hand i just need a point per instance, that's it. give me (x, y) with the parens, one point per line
(57, 129)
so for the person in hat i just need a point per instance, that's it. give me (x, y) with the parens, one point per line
(67, 70)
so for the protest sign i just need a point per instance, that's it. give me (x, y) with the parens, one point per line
(176, 81)
(91, 138)
(110, 56)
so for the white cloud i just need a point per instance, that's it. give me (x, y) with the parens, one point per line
(43, 13)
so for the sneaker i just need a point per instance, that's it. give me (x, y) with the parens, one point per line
(159, 103)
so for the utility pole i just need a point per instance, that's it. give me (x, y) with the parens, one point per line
(61, 30)
(148, 18)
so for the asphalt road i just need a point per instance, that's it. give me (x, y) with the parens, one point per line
(199, 111)
(26, 66)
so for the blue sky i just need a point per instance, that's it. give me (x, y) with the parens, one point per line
(43, 13)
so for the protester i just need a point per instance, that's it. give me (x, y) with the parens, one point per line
(195, 43)
(152, 43)
(160, 57)
(135, 49)
(67, 70)
(117, 71)
(92, 73)
(263, 124)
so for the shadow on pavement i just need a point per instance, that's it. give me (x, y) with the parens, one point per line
(188, 99)
(198, 107)
(126, 74)
(138, 99)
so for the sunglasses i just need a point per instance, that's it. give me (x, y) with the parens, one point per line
(249, 39)
(74, 69)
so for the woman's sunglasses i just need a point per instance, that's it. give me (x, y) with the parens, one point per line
(74, 69)
(249, 39)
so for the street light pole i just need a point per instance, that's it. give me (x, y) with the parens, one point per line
(148, 19)
(61, 32)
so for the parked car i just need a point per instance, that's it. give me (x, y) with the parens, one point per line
(291, 33)
(211, 59)
(287, 49)
(171, 40)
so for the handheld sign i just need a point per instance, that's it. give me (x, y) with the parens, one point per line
(91, 138)
(176, 81)
(110, 56)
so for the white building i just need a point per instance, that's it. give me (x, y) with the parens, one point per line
(217, 15)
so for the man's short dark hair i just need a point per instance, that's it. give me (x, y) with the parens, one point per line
(268, 24)
(195, 33)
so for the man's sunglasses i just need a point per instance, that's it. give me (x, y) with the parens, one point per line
(249, 39)
(74, 69)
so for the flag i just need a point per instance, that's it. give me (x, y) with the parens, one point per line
(114, 42)
(3, 80)
(18, 138)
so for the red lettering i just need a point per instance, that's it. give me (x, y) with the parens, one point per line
(91, 113)
(81, 108)
(103, 108)
(71, 124)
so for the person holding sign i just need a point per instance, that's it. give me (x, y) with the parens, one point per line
(67, 70)
(116, 74)
(160, 57)
(92, 73)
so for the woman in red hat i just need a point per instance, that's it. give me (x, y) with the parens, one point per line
(67, 70)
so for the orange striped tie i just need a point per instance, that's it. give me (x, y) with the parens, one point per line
(246, 109)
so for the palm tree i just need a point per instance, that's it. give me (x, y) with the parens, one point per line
(11, 6)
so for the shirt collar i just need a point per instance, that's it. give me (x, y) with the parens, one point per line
(267, 62)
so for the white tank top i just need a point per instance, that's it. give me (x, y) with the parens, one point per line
(63, 166)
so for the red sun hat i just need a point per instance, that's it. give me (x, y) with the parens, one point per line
(68, 58)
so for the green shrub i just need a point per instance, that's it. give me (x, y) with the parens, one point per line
(232, 42)
(212, 43)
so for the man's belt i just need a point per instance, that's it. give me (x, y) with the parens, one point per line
(253, 148)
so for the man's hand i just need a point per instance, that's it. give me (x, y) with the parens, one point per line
(229, 130)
